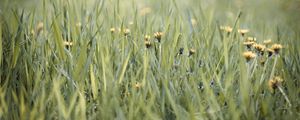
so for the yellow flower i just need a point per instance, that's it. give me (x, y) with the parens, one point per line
(260, 48)
(276, 48)
(227, 29)
(68, 44)
(250, 39)
(148, 44)
(137, 85)
(243, 31)
(126, 31)
(192, 51)
(112, 30)
(147, 37)
(158, 35)
(274, 83)
(249, 55)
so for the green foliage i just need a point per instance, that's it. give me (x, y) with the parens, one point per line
(60, 59)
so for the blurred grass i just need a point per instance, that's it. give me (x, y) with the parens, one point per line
(112, 75)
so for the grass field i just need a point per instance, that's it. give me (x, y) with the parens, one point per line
(149, 59)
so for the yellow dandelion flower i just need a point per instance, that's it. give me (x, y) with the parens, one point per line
(243, 31)
(147, 37)
(112, 30)
(250, 39)
(158, 35)
(192, 51)
(274, 83)
(276, 48)
(249, 55)
(227, 29)
(260, 48)
(148, 44)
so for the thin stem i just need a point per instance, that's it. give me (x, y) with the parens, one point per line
(285, 96)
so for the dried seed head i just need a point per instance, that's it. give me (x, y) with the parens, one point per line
(158, 35)
(243, 31)
(249, 55)
(274, 83)
(276, 48)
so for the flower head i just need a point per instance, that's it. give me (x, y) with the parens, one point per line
(249, 44)
(243, 31)
(148, 44)
(260, 48)
(250, 39)
(158, 35)
(274, 83)
(112, 30)
(267, 42)
(147, 37)
(126, 32)
(249, 55)
(227, 29)
(270, 52)
(40, 27)
(276, 48)
(192, 51)
(68, 44)
(137, 85)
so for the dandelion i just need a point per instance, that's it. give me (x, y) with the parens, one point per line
(227, 29)
(158, 35)
(260, 48)
(147, 37)
(243, 31)
(250, 39)
(126, 32)
(148, 44)
(270, 52)
(192, 51)
(276, 48)
(248, 44)
(112, 30)
(68, 44)
(267, 42)
(249, 55)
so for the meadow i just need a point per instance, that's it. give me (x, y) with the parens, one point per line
(149, 59)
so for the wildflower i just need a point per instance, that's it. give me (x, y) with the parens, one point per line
(270, 52)
(192, 51)
(248, 44)
(158, 35)
(137, 85)
(227, 29)
(262, 61)
(112, 30)
(243, 31)
(274, 83)
(250, 39)
(276, 48)
(68, 44)
(40, 27)
(148, 44)
(260, 48)
(249, 55)
(267, 42)
(126, 32)
(147, 37)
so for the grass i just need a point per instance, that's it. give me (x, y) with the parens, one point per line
(60, 60)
